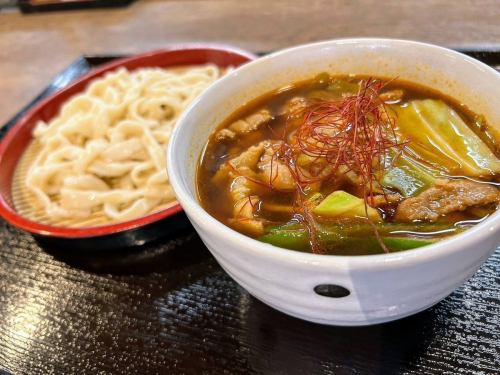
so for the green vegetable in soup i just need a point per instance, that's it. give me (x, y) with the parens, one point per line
(354, 236)
(343, 87)
(288, 239)
(406, 243)
(315, 198)
(358, 228)
(303, 179)
(408, 176)
(329, 88)
(342, 204)
(440, 136)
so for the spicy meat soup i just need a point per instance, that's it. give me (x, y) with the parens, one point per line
(351, 166)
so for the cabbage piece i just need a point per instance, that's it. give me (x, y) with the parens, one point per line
(439, 136)
(342, 204)
(408, 176)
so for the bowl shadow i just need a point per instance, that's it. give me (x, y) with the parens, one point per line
(288, 345)
(178, 250)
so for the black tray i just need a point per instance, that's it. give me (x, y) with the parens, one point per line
(29, 6)
(169, 308)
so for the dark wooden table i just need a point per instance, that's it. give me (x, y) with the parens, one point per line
(169, 308)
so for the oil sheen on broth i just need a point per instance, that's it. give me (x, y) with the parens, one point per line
(351, 166)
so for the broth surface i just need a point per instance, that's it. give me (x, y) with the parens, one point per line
(277, 210)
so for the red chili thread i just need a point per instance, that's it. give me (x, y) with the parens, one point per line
(356, 132)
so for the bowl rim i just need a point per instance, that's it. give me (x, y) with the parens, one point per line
(426, 253)
(174, 207)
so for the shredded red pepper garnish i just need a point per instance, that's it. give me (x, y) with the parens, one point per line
(352, 134)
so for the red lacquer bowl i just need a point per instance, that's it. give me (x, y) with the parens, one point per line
(19, 137)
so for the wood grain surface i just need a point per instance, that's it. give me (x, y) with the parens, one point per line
(33, 48)
(170, 309)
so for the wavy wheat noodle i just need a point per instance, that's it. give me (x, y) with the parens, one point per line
(106, 148)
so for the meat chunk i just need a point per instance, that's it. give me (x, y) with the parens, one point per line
(252, 122)
(244, 206)
(244, 164)
(244, 126)
(382, 200)
(446, 196)
(251, 172)
(225, 134)
(274, 171)
(258, 162)
(243, 215)
(243, 191)
(247, 160)
(293, 111)
(392, 96)
(295, 106)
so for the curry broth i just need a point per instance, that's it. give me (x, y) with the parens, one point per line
(214, 197)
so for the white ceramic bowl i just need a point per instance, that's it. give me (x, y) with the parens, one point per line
(382, 287)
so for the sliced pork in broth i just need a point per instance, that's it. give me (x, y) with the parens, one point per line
(351, 166)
